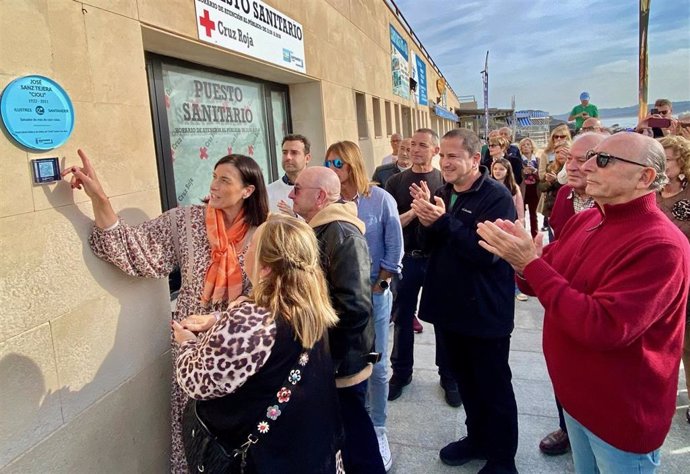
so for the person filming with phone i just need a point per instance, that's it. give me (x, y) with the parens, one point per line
(660, 121)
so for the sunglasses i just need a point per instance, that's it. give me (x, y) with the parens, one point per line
(663, 112)
(560, 137)
(336, 163)
(603, 159)
(494, 144)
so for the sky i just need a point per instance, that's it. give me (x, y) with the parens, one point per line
(545, 52)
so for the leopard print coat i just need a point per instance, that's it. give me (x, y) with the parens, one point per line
(175, 239)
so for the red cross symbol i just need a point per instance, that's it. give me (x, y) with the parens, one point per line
(230, 150)
(251, 150)
(207, 23)
(203, 153)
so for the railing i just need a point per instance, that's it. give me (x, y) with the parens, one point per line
(394, 8)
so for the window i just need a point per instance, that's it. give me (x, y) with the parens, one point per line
(376, 104)
(398, 129)
(361, 105)
(389, 121)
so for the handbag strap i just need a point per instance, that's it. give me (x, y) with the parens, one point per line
(273, 412)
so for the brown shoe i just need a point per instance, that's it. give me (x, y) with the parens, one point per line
(555, 443)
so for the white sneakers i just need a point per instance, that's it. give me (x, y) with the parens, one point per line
(384, 448)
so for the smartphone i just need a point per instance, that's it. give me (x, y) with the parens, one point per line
(659, 122)
(654, 112)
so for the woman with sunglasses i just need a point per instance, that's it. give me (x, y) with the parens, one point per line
(384, 238)
(674, 201)
(559, 136)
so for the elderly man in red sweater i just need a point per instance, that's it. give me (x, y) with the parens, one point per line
(614, 288)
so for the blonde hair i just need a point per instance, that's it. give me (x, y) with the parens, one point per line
(295, 289)
(681, 149)
(350, 153)
(560, 130)
(531, 142)
(500, 141)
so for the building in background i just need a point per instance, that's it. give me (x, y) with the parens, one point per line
(161, 90)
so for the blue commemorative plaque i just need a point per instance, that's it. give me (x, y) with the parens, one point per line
(37, 112)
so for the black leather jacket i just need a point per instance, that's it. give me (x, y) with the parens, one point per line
(346, 263)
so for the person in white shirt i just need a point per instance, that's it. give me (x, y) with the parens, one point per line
(296, 156)
(396, 138)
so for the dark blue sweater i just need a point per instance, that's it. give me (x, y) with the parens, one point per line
(467, 289)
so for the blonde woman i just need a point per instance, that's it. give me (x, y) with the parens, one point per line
(384, 238)
(559, 136)
(674, 201)
(261, 370)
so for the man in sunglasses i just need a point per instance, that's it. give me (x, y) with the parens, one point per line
(614, 287)
(662, 113)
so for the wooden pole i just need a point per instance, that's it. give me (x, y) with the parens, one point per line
(643, 59)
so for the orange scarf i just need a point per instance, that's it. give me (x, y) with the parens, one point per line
(224, 275)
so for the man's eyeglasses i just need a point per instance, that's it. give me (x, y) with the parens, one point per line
(603, 159)
(494, 144)
(336, 163)
(299, 188)
(559, 137)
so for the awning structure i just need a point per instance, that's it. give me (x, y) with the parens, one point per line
(443, 113)
(526, 118)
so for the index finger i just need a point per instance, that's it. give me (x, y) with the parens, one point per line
(84, 159)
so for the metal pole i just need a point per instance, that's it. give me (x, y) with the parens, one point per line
(643, 59)
(485, 80)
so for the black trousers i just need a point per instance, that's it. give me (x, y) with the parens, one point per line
(405, 298)
(480, 366)
(361, 451)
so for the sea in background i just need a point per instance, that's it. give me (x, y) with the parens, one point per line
(620, 122)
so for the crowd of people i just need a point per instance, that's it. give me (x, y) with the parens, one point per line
(281, 326)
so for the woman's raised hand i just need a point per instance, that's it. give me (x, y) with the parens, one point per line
(85, 177)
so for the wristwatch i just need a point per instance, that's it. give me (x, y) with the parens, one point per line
(383, 284)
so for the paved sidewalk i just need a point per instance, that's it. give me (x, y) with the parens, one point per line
(420, 423)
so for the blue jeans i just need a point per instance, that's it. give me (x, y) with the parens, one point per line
(378, 382)
(593, 455)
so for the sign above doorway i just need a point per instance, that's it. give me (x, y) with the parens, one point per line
(253, 28)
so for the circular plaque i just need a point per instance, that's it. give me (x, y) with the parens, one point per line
(37, 112)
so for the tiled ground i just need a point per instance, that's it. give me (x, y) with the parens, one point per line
(420, 422)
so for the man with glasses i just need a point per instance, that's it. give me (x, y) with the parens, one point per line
(346, 265)
(396, 138)
(614, 287)
(592, 124)
(663, 110)
(296, 157)
(425, 145)
(583, 111)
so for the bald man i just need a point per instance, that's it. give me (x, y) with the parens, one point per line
(396, 138)
(614, 287)
(346, 265)
(592, 124)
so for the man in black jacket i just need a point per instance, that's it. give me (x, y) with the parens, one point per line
(384, 172)
(470, 294)
(346, 264)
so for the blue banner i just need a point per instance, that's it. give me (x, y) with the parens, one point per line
(443, 113)
(421, 81)
(399, 43)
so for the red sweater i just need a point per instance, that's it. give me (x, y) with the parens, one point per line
(563, 210)
(614, 289)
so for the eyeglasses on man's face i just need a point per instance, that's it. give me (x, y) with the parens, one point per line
(336, 163)
(603, 159)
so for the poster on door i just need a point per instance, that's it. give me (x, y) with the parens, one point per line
(210, 116)
(399, 64)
